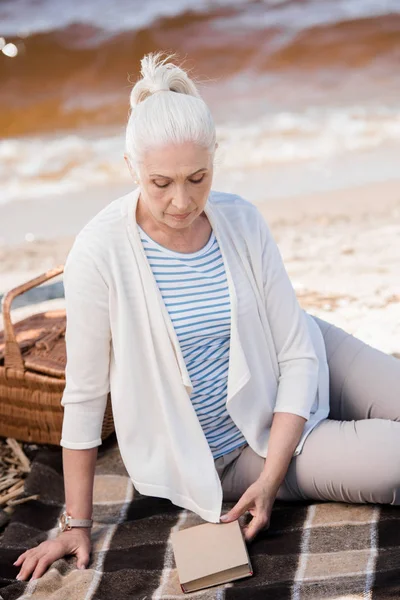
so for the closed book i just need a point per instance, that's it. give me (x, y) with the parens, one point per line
(210, 554)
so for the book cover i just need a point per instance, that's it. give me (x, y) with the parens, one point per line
(210, 554)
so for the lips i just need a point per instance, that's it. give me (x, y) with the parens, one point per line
(180, 216)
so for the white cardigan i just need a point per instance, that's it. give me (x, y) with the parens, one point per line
(120, 338)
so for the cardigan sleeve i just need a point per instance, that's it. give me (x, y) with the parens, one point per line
(297, 359)
(88, 341)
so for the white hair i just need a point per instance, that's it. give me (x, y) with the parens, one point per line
(176, 115)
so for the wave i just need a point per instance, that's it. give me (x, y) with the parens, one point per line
(49, 166)
(26, 17)
(75, 74)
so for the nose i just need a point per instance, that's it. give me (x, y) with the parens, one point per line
(181, 201)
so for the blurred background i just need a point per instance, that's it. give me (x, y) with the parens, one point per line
(305, 95)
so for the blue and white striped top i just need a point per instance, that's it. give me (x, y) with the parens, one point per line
(195, 292)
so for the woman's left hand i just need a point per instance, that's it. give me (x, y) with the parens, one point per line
(258, 500)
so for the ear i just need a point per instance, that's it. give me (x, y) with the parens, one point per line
(131, 169)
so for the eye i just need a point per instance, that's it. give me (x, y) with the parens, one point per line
(161, 186)
(197, 180)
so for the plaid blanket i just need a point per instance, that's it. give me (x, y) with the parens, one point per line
(311, 551)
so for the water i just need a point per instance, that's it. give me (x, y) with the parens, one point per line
(290, 84)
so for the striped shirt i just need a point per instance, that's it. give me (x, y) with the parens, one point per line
(195, 292)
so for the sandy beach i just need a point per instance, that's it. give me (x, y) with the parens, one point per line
(341, 250)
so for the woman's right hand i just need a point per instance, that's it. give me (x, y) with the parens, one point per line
(37, 560)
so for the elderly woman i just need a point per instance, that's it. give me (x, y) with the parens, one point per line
(179, 304)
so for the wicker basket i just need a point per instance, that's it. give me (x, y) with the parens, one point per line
(32, 372)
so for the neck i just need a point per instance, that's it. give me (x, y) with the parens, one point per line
(187, 239)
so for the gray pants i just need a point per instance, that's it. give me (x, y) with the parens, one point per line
(354, 455)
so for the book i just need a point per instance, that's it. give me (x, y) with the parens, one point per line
(210, 554)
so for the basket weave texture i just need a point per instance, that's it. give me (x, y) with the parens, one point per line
(32, 372)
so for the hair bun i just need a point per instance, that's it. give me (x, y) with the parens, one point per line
(159, 75)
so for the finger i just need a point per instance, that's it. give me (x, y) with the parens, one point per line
(254, 527)
(42, 566)
(83, 558)
(46, 558)
(238, 510)
(28, 567)
(20, 559)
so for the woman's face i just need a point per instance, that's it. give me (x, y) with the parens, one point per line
(175, 181)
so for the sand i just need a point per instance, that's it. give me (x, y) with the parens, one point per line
(344, 261)
(341, 250)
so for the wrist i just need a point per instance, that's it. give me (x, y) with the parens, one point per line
(270, 483)
(67, 522)
(76, 530)
(79, 512)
